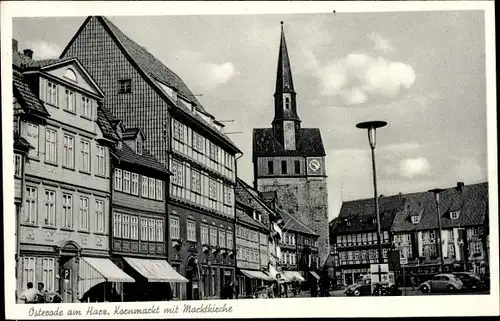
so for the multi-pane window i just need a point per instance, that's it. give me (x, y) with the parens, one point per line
(50, 145)
(138, 147)
(86, 107)
(212, 189)
(178, 130)
(117, 225)
(17, 165)
(118, 180)
(69, 100)
(204, 234)
(30, 210)
(85, 156)
(52, 97)
(101, 160)
(67, 211)
(227, 195)
(175, 232)
(32, 137)
(145, 186)
(229, 239)
(144, 229)
(134, 229)
(29, 269)
(99, 216)
(432, 236)
(69, 151)
(159, 190)
(48, 275)
(196, 181)
(159, 230)
(50, 208)
(477, 248)
(126, 182)
(152, 188)
(222, 238)
(125, 86)
(178, 174)
(198, 142)
(126, 226)
(152, 231)
(191, 230)
(84, 213)
(135, 184)
(213, 236)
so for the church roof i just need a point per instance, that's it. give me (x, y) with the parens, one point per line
(308, 144)
(284, 81)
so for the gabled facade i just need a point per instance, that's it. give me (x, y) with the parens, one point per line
(65, 194)
(409, 224)
(139, 221)
(354, 235)
(290, 160)
(143, 93)
(463, 215)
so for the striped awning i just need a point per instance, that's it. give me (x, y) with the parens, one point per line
(292, 276)
(155, 270)
(256, 275)
(93, 270)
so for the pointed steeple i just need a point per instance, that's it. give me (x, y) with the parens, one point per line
(286, 123)
(284, 81)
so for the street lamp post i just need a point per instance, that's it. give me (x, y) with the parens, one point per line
(436, 192)
(372, 126)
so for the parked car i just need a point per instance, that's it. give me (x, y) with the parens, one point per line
(260, 293)
(442, 283)
(470, 280)
(362, 287)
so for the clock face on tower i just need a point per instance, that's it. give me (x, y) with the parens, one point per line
(314, 166)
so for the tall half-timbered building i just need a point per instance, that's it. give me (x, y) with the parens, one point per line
(142, 92)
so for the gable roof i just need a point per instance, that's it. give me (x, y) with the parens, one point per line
(308, 144)
(294, 224)
(126, 155)
(153, 70)
(471, 201)
(360, 214)
(248, 196)
(243, 217)
(131, 133)
(105, 125)
(27, 99)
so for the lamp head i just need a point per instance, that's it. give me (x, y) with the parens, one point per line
(436, 192)
(372, 126)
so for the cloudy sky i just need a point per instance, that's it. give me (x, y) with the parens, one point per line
(422, 72)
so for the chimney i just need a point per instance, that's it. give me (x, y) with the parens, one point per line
(15, 47)
(28, 53)
(460, 186)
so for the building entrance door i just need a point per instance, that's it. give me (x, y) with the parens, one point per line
(67, 284)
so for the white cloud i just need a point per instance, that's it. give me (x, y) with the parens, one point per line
(199, 72)
(358, 78)
(221, 73)
(411, 167)
(380, 43)
(43, 49)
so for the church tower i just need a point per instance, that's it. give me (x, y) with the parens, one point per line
(290, 160)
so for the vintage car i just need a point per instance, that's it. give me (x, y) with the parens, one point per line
(441, 283)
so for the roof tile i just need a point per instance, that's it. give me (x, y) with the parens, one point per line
(309, 143)
(27, 99)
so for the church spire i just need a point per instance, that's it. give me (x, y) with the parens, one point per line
(286, 123)
(284, 81)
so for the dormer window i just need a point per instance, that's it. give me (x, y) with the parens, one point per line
(454, 215)
(138, 147)
(415, 219)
